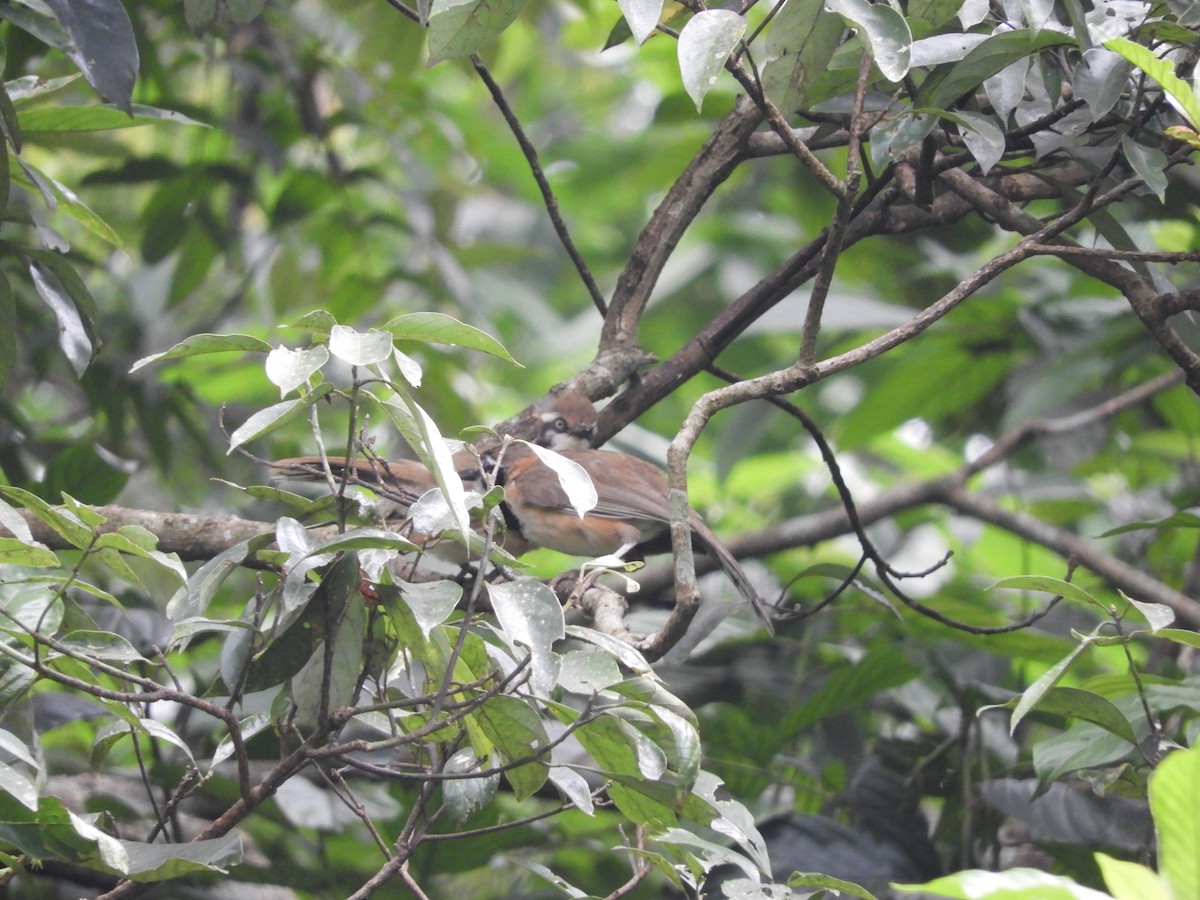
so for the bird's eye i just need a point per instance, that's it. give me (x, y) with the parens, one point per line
(560, 424)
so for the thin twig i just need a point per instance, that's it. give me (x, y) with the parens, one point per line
(539, 176)
(837, 228)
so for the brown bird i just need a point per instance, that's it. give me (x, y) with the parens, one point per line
(631, 508)
(568, 422)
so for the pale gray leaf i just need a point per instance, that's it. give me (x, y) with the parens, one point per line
(288, 369)
(432, 602)
(1006, 88)
(1100, 79)
(642, 17)
(359, 348)
(1150, 164)
(943, 48)
(884, 29)
(704, 46)
(982, 137)
(530, 616)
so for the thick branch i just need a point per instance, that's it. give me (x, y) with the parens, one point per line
(192, 537)
(707, 170)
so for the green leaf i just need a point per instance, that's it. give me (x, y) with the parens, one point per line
(249, 727)
(1032, 695)
(5, 177)
(58, 119)
(136, 541)
(193, 599)
(607, 740)
(365, 539)
(31, 87)
(894, 137)
(800, 43)
(935, 12)
(345, 667)
(43, 27)
(100, 645)
(302, 636)
(1090, 707)
(1046, 585)
(877, 671)
(63, 198)
(468, 795)
(149, 863)
(981, 135)
(1188, 518)
(14, 552)
(687, 756)
(564, 886)
(1179, 636)
(319, 322)
(1130, 880)
(199, 344)
(517, 732)
(885, 30)
(1182, 97)
(585, 672)
(1082, 746)
(1150, 163)
(18, 786)
(942, 89)
(436, 328)
(458, 28)
(83, 470)
(712, 854)
(1157, 615)
(614, 647)
(1175, 805)
(114, 732)
(67, 527)
(1014, 884)
(829, 883)
(267, 420)
(704, 47)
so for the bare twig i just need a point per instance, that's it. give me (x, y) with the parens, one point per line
(837, 229)
(539, 176)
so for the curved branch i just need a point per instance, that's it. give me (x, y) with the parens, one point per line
(951, 491)
(714, 162)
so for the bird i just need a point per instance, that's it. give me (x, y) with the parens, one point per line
(568, 421)
(631, 508)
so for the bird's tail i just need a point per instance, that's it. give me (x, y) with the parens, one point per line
(733, 570)
(393, 480)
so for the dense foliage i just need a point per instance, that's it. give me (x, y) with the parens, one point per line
(950, 243)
